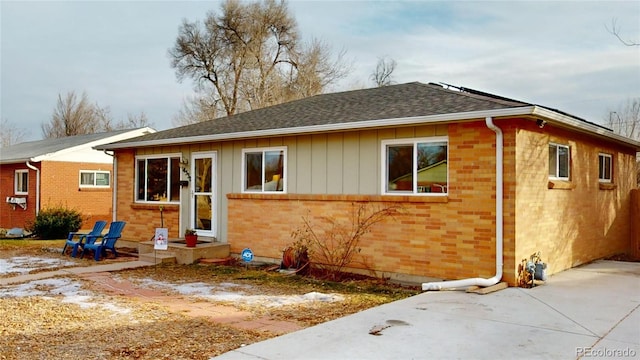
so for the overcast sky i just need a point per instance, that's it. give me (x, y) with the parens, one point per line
(558, 54)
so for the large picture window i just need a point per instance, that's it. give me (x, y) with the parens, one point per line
(158, 178)
(21, 183)
(94, 178)
(559, 160)
(605, 170)
(263, 170)
(416, 166)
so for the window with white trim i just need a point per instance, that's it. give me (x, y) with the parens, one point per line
(99, 179)
(263, 170)
(158, 178)
(21, 183)
(415, 166)
(605, 169)
(559, 160)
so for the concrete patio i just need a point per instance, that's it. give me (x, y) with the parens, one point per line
(589, 311)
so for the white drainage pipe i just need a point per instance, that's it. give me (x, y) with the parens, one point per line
(442, 285)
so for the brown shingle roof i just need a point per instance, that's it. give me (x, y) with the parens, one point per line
(389, 102)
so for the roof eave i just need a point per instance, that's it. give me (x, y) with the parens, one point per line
(16, 161)
(582, 126)
(462, 116)
(531, 110)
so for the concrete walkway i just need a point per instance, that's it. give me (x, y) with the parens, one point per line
(590, 311)
(112, 266)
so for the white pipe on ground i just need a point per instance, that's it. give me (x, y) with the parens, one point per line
(441, 285)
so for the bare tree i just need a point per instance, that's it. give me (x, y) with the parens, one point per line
(196, 109)
(75, 115)
(133, 121)
(615, 31)
(382, 75)
(10, 134)
(626, 121)
(249, 56)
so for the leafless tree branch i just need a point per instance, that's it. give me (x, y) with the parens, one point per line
(615, 31)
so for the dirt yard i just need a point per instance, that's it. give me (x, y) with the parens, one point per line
(161, 312)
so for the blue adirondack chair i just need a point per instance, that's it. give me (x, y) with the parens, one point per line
(83, 238)
(108, 241)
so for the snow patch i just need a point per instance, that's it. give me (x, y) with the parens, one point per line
(224, 292)
(26, 264)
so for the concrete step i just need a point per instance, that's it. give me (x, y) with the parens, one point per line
(158, 258)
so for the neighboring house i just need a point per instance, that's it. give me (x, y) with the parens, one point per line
(59, 172)
(482, 179)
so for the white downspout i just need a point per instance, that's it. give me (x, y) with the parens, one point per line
(499, 226)
(114, 201)
(37, 185)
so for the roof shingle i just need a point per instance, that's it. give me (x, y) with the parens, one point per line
(389, 102)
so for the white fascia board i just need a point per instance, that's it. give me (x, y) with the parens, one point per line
(531, 110)
(464, 116)
(582, 126)
(82, 148)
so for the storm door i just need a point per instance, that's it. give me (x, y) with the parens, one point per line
(203, 198)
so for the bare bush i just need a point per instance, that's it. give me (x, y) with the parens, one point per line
(335, 245)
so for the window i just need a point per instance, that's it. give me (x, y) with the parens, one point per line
(264, 170)
(415, 166)
(158, 178)
(94, 178)
(604, 168)
(21, 184)
(558, 162)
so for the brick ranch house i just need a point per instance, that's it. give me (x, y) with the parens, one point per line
(58, 172)
(484, 181)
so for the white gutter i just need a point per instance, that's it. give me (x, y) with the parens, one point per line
(499, 226)
(114, 199)
(355, 125)
(37, 185)
(530, 110)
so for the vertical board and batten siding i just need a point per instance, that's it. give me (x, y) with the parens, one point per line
(346, 163)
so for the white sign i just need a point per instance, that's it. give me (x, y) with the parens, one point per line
(161, 239)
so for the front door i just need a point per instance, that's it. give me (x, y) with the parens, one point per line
(203, 199)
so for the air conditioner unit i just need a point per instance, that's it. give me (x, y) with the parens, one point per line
(20, 201)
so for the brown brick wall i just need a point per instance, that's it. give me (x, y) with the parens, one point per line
(10, 217)
(59, 186)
